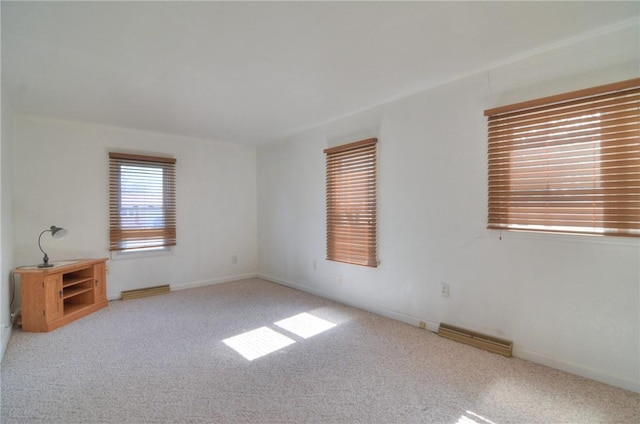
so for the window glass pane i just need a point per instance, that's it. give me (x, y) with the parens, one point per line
(141, 197)
(351, 203)
(142, 210)
(572, 165)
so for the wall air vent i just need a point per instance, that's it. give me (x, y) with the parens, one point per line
(472, 338)
(149, 291)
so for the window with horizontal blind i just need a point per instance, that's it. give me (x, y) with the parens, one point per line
(142, 202)
(351, 203)
(567, 163)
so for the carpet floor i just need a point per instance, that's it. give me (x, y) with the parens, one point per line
(256, 352)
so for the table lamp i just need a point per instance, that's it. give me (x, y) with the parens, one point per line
(57, 233)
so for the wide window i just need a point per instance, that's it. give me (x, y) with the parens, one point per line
(142, 206)
(351, 203)
(568, 163)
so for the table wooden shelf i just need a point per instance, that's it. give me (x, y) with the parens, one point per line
(55, 296)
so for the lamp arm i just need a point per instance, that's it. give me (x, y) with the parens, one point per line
(45, 253)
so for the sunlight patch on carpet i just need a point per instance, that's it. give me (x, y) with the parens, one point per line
(470, 417)
(305, 325)
(257, 343)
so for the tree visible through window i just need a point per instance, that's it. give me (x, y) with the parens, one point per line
(141, 202)
(351, 203)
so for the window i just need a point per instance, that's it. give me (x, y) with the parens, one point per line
(568, 163)
(142, 206)
(351, 203)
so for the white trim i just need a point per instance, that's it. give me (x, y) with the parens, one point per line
(486, 69)
(194, 284)
(202, 283)
(528, 355)
(6, 335)
(118, 255)
(576, 369)
(570, 238)
(398, 316)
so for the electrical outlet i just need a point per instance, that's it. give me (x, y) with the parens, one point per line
(234, 259)
(444, 289)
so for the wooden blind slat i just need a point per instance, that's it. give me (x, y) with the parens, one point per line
(333, 152)
(560, 98)
(607, 110)
(141, 158)
(351, 172)
(142, 207)
(567, 163)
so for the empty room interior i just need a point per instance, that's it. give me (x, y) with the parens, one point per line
(325, 212)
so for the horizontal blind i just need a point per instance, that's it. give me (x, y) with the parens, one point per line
(142, 206)
(351, 203)
(569, 166)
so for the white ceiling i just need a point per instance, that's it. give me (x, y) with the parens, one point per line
(252, 72)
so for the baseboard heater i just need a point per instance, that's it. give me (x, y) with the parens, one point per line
(149, 291)
(472, 338)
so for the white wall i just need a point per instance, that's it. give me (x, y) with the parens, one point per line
(571, 302)
(60, 178)
(6, 220)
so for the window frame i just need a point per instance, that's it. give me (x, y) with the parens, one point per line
(152, 239)
(351, 203)
(584, 149)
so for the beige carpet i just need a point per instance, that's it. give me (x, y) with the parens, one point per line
(201, 356)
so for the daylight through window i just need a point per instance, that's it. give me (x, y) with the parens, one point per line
(568, 163)
(142, 205)
(351, 203)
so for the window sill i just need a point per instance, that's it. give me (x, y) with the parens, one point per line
(137, 254)
(542, 236)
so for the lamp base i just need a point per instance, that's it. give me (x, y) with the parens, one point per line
(47, 265)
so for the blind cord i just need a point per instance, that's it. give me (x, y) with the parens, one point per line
(13, 293)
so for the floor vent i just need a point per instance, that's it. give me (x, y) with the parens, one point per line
(149, 291)
(482, 341)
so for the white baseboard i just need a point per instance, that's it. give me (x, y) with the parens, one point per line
(528, 355)
(576, 369)
(398, 316)
(194, 284)
(6, 335)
